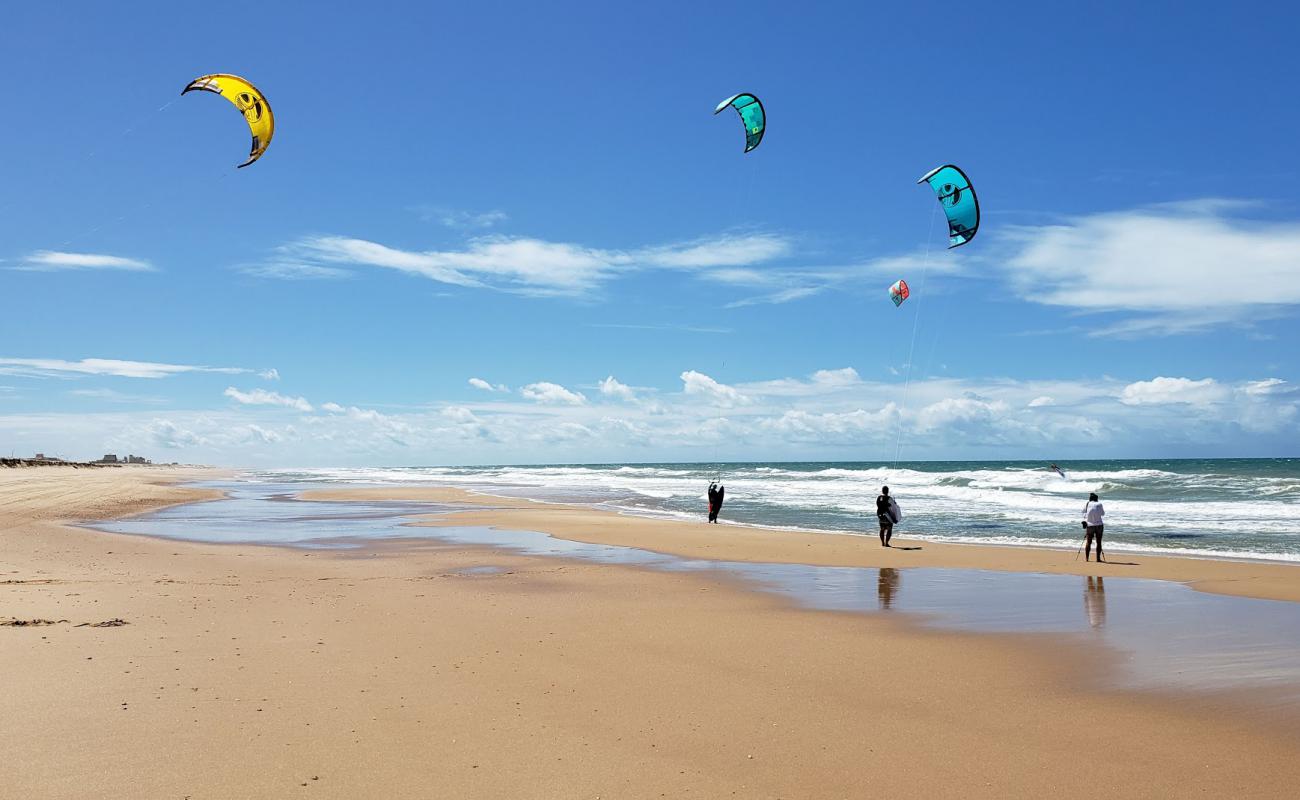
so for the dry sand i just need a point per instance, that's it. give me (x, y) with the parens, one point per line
(391, 672)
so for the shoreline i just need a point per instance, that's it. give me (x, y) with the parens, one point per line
(1260, 579)
(1137, 551)
(257, 671)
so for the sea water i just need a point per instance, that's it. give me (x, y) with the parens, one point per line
(1236, 508)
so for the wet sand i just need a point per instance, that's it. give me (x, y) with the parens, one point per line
(406, 669)
(1264, 580)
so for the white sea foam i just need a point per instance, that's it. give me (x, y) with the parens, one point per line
(1224, 511)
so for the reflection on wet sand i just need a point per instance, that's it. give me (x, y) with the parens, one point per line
(1094, 601)
(887, 587)
(1170, 635)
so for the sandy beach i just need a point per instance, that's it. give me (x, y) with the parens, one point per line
(168, 669)
(1270, 581)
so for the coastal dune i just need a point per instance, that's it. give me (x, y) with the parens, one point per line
(406, 669)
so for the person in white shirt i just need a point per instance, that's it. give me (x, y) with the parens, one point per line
(1093, 524)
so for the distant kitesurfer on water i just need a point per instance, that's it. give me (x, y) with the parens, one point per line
(716, 493)
(888, 512)
(1058, 471)
(1093, 524)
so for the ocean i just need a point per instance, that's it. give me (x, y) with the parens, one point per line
(1233, 508)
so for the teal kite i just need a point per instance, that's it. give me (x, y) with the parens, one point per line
(957, 197)
(750, 109)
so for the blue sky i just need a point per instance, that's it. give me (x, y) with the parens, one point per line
(538, 197)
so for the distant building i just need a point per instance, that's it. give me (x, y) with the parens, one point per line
(109, 458)
(136, 460)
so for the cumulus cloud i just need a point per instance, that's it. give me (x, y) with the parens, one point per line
(552, 393)
(258, 434)
(829, 414)
(697, 384)
(856, 425)
(1169, 269)
(1040, 401)
(164, 433)
(479, 383)
(1164, 391)
(55, 261)
(611, 387)
(848, 376)
(269, 374)
(967, 412)
(261, 397)
(54, 367)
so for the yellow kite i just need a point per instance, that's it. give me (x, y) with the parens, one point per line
(250, 102)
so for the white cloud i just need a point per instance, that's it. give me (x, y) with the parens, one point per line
(968, 412)
(291, 269)
(700, 385)
(718, 251)
(1268, 386)
(776, 298)
(459, 219)
(660, 327)
(261, 397)
(544, 392)
(848, 376)
(54, 367)
(856, 425)
(54, 261)
(256, 433)
(1040, 401)
(164, 433)
(1164, 391)
(479, 383)
(913, 266)
(532, 266)
(459, 414)
(113, 396)
(827, 415)
(269, 374)
(1172, 268)
(611, 387)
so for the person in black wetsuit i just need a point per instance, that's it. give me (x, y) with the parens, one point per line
(716, 493)
(887, 512)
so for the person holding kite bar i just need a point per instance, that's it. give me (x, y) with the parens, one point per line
(1093, 524)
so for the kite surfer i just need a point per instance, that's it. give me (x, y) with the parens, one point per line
(1093, 524)
(716, 493)
(888, 512)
